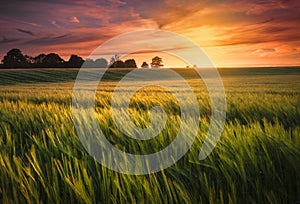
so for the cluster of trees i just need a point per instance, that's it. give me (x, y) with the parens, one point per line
(15, 59)
(115, 62)
(156, 63)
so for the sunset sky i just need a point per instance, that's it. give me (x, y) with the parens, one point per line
(232, 33)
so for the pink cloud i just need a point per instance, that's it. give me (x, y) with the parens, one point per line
(74, 19)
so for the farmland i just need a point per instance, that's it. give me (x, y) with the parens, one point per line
(257, 159)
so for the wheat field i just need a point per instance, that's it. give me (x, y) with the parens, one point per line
(257, 159)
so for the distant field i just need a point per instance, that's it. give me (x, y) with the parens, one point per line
(257, 159)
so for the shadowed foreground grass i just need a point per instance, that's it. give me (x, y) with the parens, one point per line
(257, 159)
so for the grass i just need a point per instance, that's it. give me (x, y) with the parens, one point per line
(257, 159)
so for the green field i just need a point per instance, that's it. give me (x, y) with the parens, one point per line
(257, 159)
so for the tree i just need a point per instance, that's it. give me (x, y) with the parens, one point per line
(89, 63)
(130, 63)
(38, 60)
(53, 60)
(29, 60)
(156, 62)
(118, 64)
(145, 65)
(75, 61)
(14, 59)
(114, 59)
(98, 63)
(101, 63)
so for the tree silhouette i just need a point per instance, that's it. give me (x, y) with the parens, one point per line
(156, 62)
(89, 63)
(38, 60)
(75, 61)
(118, 64)
(145, 65)
(130, 63)
(14, 59)
(114, 59)
(29, 60)
(98, 63)
(53, 60)
(101, 63)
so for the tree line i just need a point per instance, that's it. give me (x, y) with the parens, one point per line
(15, 59)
